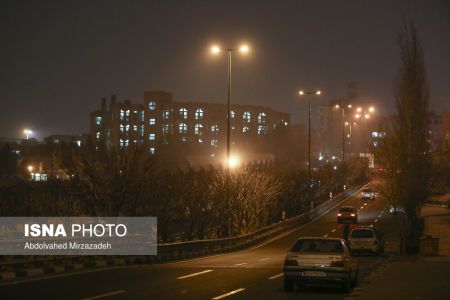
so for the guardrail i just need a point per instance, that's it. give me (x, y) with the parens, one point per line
(12, 267)
(189, 249)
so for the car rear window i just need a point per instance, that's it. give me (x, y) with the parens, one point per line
(346, 209)
(316, 245)
(362, 233)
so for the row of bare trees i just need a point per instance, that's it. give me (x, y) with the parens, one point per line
(189, 204)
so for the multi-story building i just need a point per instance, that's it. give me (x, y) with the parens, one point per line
(187, 128)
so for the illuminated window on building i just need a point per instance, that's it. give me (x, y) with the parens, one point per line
(98, 120)
(97, 135)
(127, 128)
(127, 113)
(135, 127)
(152, 121)
(182, 128)
(245, 129)
(215, 128)
(184, 139)
(166, 114)
(232, 113)
(262, 118)
(247, 117)
(183, 113)
(123, 143)
(78, 143)
(261, 129)
(200, 140)
(152, 105)
(142, 130)
(285, 123)
(142, 116)
(214, 143)
(122, 114)
(199, 114)
(151, 137)
(165, 129)
(198, 129)
(122, 128)
(151, 150)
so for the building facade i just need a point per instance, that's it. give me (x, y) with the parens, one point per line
(188, 128)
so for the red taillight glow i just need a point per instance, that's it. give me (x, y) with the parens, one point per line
(352, 215)
(337, 263)
(290, 262)
(339, 215)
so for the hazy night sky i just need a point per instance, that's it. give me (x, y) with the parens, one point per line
(59, 58)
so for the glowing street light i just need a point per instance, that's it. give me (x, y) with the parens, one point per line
(363, 114)
(309, 94)
(233, 162)
(27, 133)
(30, 168)
(243, 49)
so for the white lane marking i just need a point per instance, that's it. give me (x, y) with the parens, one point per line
(228, 294)
(325, 235)
(263, 259)
(276, 276)
(194, 274)
(376, 220)
(333, 230)
(105, 295)
(241, 264)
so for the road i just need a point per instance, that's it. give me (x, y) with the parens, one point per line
(254, 273)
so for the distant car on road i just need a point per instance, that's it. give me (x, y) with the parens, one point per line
(366, 239)
(367, 194)
(394, 209)
(347, 214)
(320, 261)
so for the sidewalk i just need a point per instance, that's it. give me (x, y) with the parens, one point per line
(414, 278)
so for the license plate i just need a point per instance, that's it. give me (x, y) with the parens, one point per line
(313, 273)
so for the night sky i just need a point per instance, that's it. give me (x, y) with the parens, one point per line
(59, 58)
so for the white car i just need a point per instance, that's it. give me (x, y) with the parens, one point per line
(367, 194)
(396, 209)
(320, 261)
(365, 239)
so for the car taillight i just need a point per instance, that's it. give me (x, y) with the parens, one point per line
(352, 215)
(339, 215)
(337, 263)
(290, 262)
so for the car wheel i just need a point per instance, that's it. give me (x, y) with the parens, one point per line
(288, 285)
(355, 279)
(347, 284)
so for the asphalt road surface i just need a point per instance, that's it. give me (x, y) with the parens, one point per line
(254, 273)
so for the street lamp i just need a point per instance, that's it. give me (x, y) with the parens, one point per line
(27, 133)
(363, 113)
(243, 49)
(343, 106)
(309, 94)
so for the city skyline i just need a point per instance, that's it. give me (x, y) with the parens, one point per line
(50, 70)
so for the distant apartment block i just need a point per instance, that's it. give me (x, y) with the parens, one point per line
(190, 128)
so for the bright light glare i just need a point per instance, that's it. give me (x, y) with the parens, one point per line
(215, 49)
(357, 116)
(244, 49)
(349, 106)
(337, 106)
(30, 168)
(233, 162)
(367, 116)
(318, 92)
(359, 109)
(301, 92)
(371, 109)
